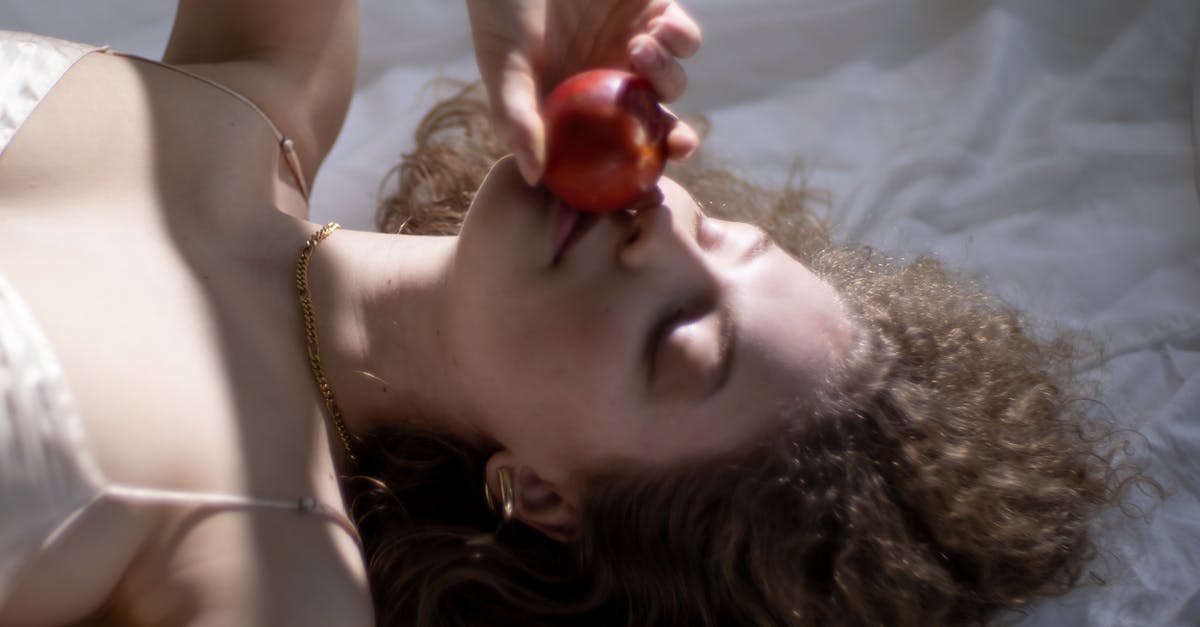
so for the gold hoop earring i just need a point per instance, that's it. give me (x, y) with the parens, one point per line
(508, 500)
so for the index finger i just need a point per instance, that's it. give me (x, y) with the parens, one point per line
(676, 31)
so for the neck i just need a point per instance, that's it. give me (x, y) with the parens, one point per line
(380, 310)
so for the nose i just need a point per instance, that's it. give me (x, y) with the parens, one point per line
(648, 233)
(658, 243)
(655, 237)
(659, 251)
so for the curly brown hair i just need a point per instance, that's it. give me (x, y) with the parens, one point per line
(953, 471)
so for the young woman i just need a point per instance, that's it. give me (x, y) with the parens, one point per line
(677, 419)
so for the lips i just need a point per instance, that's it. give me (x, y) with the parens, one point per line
(569, 227)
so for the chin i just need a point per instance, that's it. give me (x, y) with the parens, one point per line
(507, 221)
(503, 198)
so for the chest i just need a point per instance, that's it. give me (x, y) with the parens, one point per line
(169, 349)
(188, 371)
(181, 341)
(119, 199)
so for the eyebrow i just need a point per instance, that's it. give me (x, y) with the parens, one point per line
(726, 350)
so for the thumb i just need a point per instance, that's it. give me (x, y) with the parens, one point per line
(519, 123)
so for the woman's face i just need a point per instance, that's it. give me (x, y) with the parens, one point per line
(653, 339)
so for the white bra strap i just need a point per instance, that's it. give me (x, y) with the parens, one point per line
(212, 500)
(151, 496)
(209, 500)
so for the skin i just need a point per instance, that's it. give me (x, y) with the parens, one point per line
(150, 219)
(583, 327)
(153, 229)
(462, 329)
(160, 273)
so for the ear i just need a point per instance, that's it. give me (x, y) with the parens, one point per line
(540, 504)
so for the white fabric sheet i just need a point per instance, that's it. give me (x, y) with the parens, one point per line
(1049, 147)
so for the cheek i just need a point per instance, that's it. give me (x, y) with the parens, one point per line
(535, 342)
(574, 345)
(558, 381)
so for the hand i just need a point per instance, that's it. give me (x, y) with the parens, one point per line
(526, 47)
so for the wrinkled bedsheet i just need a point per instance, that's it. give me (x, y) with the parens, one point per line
(1046, 147)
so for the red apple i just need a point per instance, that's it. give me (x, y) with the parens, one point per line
(606, 140)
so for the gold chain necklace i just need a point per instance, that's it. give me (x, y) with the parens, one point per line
(310, 334)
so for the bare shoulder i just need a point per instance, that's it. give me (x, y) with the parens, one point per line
(295, 59)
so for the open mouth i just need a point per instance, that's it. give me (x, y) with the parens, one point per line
(570, 225)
